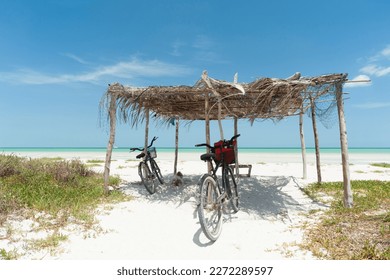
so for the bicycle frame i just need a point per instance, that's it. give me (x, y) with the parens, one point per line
(221, 187)
(148, 169)
(146, 160)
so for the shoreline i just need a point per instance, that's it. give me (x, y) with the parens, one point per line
(245, 156)
(258, 149)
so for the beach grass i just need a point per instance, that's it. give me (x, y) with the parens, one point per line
(381, 164)
(361, 232)
(95, 161)
(64, 190)
(8, 255)
(51, 186)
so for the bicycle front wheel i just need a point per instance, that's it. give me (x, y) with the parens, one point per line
(231, 188)
(209, 209)
(147, 177)
(156, 170)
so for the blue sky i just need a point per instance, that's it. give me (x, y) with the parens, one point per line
(57, 57)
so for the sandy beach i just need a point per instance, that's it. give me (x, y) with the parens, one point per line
(165, 225)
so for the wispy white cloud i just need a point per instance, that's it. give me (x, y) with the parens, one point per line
(373, 105)
(125, 69)
(386, 52)
(375, 70)
(359, 81)
(75, 57)
(378, 64)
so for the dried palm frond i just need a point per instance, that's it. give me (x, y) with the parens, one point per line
(263, 98)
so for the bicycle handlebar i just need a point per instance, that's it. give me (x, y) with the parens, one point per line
(234, 137)
(227, 142)
(141, 150)
(151, 143)
(204, 144)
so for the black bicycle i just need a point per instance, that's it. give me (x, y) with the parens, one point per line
(213, 195)
(148, 169)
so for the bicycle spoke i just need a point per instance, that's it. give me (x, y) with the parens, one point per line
(156, 171)
(147, 177)
(209, 210)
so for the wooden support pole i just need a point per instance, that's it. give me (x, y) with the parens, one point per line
(220, 118)
(110, 145)
(313, 118)
(146, 130)
(303, 147)
(176, 146)
(235, 80)
(348, 198)
(207, 126)
(206, 79)
(236, 147)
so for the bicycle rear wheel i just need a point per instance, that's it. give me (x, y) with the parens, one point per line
(147, 177)
(231, 188)
(156, 170)
(209, 209)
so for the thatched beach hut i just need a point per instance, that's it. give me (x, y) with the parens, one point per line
(212, 99)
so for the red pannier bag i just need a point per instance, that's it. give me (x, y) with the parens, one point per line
(228, 152)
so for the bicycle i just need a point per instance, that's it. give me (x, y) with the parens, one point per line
(148, 169)
(213, 195)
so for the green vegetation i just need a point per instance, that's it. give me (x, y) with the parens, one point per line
(95, 161)
(381, 164)
(51, 159)
(64, 190)
(50, 242)
(8, 255)
(361, 232)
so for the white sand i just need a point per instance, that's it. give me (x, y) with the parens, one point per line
(165, 225)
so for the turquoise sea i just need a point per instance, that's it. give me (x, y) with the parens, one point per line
(184, 150)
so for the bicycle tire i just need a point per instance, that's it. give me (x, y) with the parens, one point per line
(156, 170)
(209, 210)
(231, 188)
(147, 177)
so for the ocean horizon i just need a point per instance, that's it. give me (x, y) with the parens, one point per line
(196, 149)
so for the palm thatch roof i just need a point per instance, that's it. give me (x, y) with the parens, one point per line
(262, 98)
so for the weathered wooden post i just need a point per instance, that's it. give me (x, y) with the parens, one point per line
(176, 146)
(207, 127)
(146, 130)
(236, 147)
(222, 137)
(348, 198)
(313, 118)
(303, 147)
(235, 81)
(110, 145)
(206, 79)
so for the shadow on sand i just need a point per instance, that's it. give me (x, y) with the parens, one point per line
(264, 198)
(259, 195)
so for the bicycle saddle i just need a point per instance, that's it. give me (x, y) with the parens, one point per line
(207, 157)
(141, 155)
